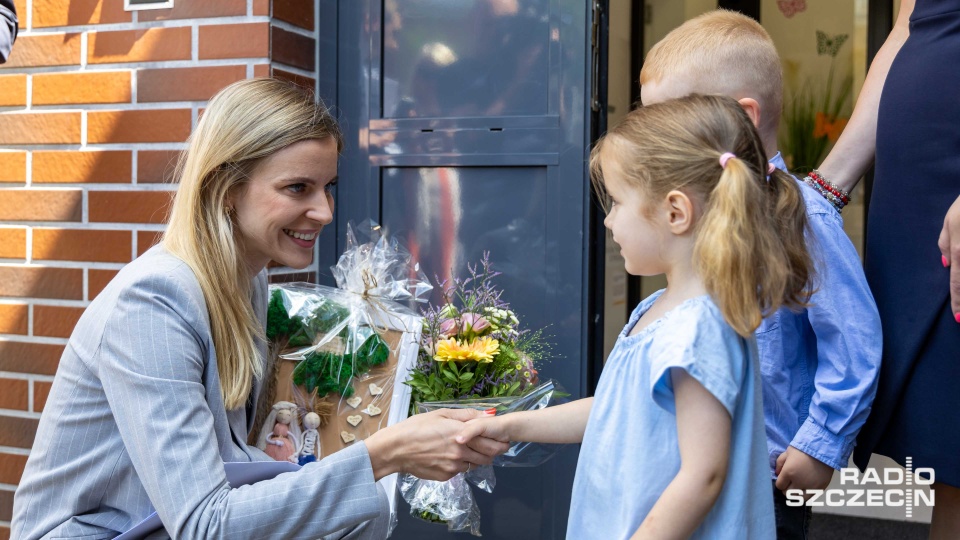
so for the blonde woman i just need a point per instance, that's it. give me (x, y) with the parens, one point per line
(157, 386)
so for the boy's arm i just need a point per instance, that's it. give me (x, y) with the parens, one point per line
(846, 325)
(853, 154)
(703, 432)
(559, 424)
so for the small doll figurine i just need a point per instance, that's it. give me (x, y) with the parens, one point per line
(310, 440)
(280, 433)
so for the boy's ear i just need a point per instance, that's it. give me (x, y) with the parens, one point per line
(752, 108)
(679, 210)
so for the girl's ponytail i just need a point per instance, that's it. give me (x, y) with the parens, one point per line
(750, 249)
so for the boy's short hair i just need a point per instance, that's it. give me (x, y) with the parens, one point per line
(722, 52)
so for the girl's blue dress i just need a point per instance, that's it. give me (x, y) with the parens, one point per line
(630, 453)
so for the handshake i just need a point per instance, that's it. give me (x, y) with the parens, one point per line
(439, 444)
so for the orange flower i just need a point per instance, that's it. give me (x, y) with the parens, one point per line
(828, 126)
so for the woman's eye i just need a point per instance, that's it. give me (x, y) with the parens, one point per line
(329, 187)
(297, 188)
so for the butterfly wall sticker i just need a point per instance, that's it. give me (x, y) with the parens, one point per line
(789, 8)
(830, 44)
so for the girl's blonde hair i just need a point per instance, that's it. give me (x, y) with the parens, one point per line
(243, 123)
(749, 249)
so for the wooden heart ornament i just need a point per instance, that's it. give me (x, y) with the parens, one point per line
(354, 420)
(375, 390)
(372, 410)
(354, 401)
(347, 437)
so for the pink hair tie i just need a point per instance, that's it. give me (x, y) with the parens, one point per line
(770, 168)
(724, 158)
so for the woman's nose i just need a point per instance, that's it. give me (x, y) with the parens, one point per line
(321, 209)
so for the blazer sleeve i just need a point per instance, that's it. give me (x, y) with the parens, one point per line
(152, 362)
(8, 28)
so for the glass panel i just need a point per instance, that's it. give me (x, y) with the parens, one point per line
(465, 58)
(448, 217)
(823, 47)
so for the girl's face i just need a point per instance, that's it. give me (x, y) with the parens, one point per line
(281, 209)
(639, 237)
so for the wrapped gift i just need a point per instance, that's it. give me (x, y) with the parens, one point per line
(344, 352)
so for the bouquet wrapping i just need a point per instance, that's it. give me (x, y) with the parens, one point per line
(344, 352)
(474, 354)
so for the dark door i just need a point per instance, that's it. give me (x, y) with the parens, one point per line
(467, 125)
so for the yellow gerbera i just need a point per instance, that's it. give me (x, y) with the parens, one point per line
(479, 350)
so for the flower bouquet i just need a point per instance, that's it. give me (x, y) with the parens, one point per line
(475, 354)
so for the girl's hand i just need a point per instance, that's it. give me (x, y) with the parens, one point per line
(494, 427)
(949, 244)
(798, 470)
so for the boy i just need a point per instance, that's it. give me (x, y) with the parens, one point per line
(819, 366)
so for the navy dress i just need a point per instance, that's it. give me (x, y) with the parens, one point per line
(917, 409)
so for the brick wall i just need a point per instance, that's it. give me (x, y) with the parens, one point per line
(95, 103)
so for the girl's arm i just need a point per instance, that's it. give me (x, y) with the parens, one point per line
(560, 424)
(853, 154)
(703, 432)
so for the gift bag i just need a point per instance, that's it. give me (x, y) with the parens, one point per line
(343, 352)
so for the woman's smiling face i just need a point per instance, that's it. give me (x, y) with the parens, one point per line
(281, 209)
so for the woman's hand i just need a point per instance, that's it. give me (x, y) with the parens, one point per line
(950, 248)
(425, 446)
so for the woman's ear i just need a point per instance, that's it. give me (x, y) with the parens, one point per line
(752, 108)
(680, 212)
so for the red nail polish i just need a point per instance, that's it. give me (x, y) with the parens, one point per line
(493, 410)
(945, 261)
(956, 317)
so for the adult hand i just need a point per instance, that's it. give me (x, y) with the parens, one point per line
(485, 428)
(950, 249)
(798, 470)
(425, 446)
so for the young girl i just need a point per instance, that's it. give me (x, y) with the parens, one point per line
(673, 440)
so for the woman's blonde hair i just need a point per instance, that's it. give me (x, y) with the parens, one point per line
(749, 248)
(243, 123)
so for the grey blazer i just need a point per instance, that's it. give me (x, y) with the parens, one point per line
(135, 421)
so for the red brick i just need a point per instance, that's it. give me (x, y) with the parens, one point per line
(41, 389)
(299, 80)
(19, 433)
(292, 49)
(41, 282)
(13, 319)
(55, 321)
(138, 126)
(261, 70)
(74, 166)
(45, 50)
(296, 12)
(144, 45)
(25, 357)
(13, 394)
(185, 84)
(40, 205)
(156, 166)
(13, 243)
(129, 206)
(98, 280)
(48, 13)
(13, 167)
(6, 497)
(146, 240)
(261, 7)
(196, 9)
(39, 128)
(81, 245)
(91, 87)
(13, 90)
(11, 468)
(245, 40)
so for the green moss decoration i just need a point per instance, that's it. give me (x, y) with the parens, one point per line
(328, 372)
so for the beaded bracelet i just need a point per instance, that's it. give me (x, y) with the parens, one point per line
(830, 191)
